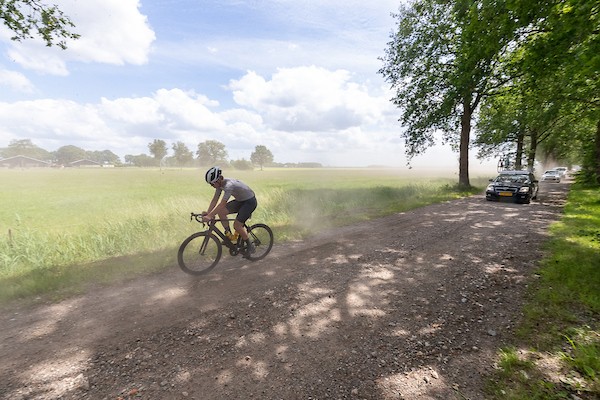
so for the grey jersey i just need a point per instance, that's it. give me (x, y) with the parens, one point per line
(238, 189)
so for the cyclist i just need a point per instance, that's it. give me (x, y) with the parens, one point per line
(244, 204)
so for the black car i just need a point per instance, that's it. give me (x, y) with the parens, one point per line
(517, 186)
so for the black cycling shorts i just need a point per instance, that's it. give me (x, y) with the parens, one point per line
(243, 208)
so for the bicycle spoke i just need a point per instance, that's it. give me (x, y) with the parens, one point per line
(199, 253)
(262, 237)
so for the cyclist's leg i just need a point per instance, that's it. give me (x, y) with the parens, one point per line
(232, 207)
(244, 213)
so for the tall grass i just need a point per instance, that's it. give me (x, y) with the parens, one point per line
(560, 325)
(55, 223)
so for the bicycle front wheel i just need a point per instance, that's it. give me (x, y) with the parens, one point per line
(262, 237)
(199, 253)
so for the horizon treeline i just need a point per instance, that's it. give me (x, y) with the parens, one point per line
(210, 152)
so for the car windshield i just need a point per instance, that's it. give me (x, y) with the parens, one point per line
(513, 178)
(551, 172)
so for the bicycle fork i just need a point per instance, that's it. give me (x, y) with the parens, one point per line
(204, 244)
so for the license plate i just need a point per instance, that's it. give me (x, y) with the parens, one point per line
(506, 194)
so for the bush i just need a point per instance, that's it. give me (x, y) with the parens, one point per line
(242, 164)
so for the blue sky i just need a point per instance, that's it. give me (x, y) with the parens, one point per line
(299, 77)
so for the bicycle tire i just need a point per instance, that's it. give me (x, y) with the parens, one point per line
(262, 237)
(199, 253)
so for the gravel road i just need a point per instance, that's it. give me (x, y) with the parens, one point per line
(411, 306)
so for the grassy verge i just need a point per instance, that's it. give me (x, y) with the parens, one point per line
(61, 230)
(558, 354)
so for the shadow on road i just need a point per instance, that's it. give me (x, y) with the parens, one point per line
(413, 305)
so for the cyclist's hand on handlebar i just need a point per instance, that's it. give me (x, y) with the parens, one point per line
(206, 218)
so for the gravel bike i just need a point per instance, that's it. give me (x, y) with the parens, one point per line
(202, 251)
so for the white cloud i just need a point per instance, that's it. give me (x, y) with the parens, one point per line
(122, 124)
(309, 99)
(15, 81)
(112, 32)
(49, 122)
(142, 110)
(188, 111)
(304, 113)
(127, 125)
(313, 94)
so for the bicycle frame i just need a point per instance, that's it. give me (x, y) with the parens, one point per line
(201, 251)
(212, 228)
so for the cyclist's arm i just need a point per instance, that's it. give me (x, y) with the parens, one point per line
(213, 203)
(218, 209)
(214, 208)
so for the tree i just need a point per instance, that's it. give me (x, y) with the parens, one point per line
(441, 64)
(212, 152)
(158, 148)
(30, 18)
(104, 156)
(67, 154)
(141, 160)
(261, 156)
(561, 59)
(183, 156)
(554, 69)
(242, 164)
(500, 129)
(25, 147)
(517, 118)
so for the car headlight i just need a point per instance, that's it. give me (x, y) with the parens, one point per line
(490, 188)
(524, 189)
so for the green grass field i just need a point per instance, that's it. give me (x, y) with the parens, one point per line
(59, 228)
(63, 229)
(558, 351)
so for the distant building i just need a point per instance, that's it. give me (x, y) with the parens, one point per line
(85, 164)
(23, 162)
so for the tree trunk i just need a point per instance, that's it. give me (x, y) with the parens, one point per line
(597, 158)
(532, 150)
(519, 155)
(465, 133)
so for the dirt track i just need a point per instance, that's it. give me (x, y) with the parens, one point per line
(410, 306)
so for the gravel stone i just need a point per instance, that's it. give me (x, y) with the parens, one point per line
(411, 306)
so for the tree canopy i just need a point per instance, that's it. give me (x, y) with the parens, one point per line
(441, 63)
(25, 147)
(261, 156)
(28, 19)
(158, 149)
(69, 153)
(212, 152)
(182, 155)
(522, 72)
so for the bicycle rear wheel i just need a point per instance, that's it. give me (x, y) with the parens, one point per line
(262, 237)
(199, 253)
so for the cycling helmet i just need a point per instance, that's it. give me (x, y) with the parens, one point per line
(212, 175)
